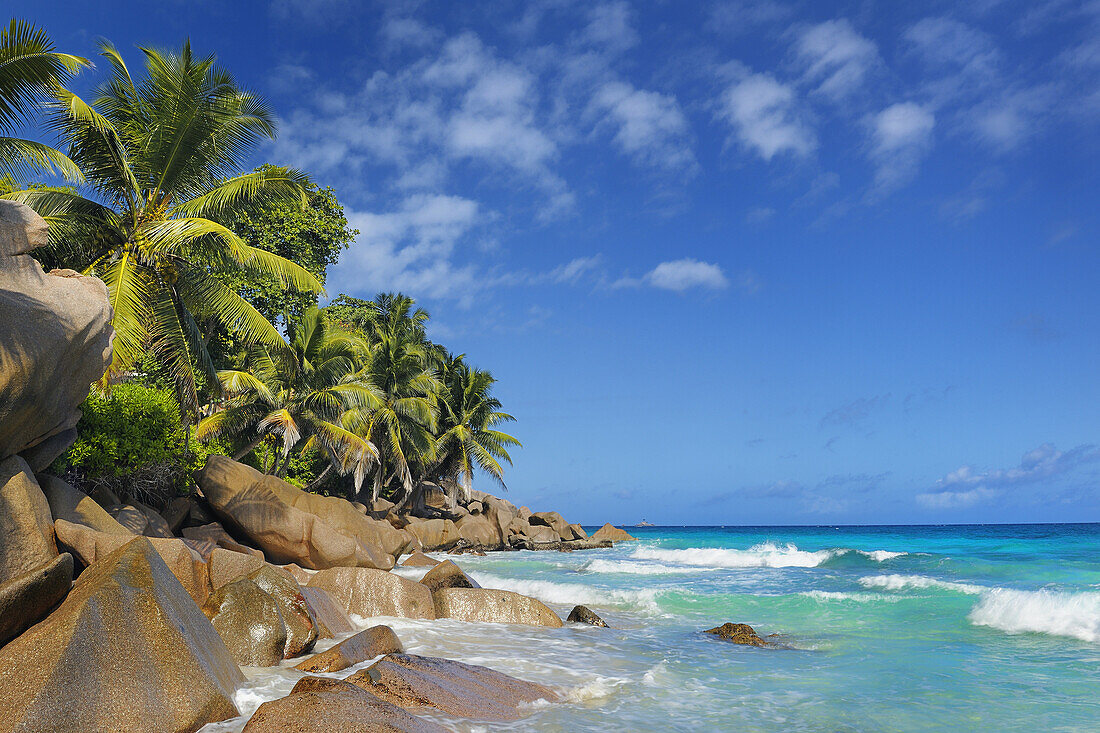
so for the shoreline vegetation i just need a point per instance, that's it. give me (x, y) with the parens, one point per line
(200, 466)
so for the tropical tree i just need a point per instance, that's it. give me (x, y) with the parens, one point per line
(468, 417)
(161, 155)
(30, 71)
(298, 396)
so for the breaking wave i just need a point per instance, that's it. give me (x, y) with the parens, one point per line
(917, 582)
(1076, 615)
(571, 593)
(763, 555)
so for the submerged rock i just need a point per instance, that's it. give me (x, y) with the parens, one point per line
(492, 606)
(464, 690)
(585, 615)
(324, 705)
(738, 634)
(609, 532)
(249, 622)
(373, 642)
(447, 575)
(368, 592)
(27, 598)
(128, 651)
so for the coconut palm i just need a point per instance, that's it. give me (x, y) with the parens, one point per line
(30, 71)
(161, 155)
(298, 395)
(468, 416)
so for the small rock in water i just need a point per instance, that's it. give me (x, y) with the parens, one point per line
(585, 615)
(738, 634)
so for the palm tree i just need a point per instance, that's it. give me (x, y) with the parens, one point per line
(30, 71)
(162, 154)
(299, 396)
(468, 416)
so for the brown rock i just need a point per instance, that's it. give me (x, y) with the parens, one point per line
(578, 532)
(434, 534)
(479, 530)
(464, 690)
(28, 597)
(541, 534)
(324, 705)
(176, 512)
(140, 519)
(215, 533)
(419, 560)
(127, 651)
(301, 630)
(375, 641)
(554, 521)
(492, 606)
(475, 507)
(225, 566)
(74, 506)
(57, 341)
(447, 575)
(738, 634)
(182, 560)
(26, 526)
(250, 501)
(248, 621)
(332, 620)
(585, 615)
(609, 532)
(370, 593)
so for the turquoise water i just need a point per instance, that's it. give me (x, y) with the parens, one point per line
(890, 628)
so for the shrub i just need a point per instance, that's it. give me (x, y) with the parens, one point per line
(132, 441)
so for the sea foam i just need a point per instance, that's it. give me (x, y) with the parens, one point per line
(917, 582)
(631, 567)
(571, 593)
(1076, 615)
(763, 555)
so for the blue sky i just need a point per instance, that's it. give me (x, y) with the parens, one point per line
(732, 262)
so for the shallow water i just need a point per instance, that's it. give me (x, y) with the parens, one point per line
(892, 628)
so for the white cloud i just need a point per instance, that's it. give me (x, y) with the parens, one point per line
(610, 25)
(764, 116)
(738, 17)
(398, 32)
(901, 136)
(837, 58)
(966, 486)
(685, 274)
(411, 249)
(575, 269)
(651, 128)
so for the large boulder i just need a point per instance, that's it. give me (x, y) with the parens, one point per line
(478, 530)
(609, 532)
(248, 621)
(738, 634)
(368, 644)
(141, 519)
(324, 705)
(554, 521)
(301, 629)
(183, 560)
(26, 526)
(28, 597)
(250, 501)
(224, 566)
(447, 575)
(332, 620)
(419, 560)
(369, 593)
(455, 688)
(75, 506)
(127, 651)
(434, 534)
(541, 534)
(492, 606)
(57, 341)
(214, 532)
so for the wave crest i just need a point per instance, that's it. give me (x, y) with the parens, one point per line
(1076, 615)
(917, 582)
(763, 555)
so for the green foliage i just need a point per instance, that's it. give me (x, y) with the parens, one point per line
(133, 441)
(312, 236)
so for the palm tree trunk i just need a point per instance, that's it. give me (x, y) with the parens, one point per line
(320, 478)
(247, 449)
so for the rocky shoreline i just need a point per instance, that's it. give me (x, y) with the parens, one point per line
(117, 616)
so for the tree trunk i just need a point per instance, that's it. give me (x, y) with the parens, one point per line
(248, 448)
(320, 478)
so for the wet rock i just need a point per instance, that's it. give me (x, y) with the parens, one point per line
(225, 566)
(419, 560)
(492, 606)
(74, 506)
(464, 690)
(57, 341)
(447, 575)
(252, 503)
(369, 593)
(27, 598)
(324, 705)
(738, 634)
(585, 615)
(26, 526)
(373, 642)
(128, 650)
(301, 630)
(249, 622)
(609, 532)
(331, 619)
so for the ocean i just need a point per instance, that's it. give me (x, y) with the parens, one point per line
(893, 628)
